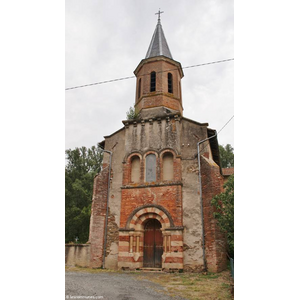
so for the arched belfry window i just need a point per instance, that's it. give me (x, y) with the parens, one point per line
(170, 83)
(150, 168)
(152, 81)
(168, 168)
(135, 169)
(139, 88)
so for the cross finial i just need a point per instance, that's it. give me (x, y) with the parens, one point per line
(158, 13)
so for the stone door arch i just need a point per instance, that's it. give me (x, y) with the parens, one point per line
(132, 239)
(139, 215)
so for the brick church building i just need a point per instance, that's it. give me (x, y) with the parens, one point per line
(150, 207)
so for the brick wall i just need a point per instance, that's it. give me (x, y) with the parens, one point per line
(98, 213)
(160, 97)
(167, 196)
(215, 242)
(154, 100)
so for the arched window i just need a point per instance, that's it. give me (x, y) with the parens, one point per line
(135, 169)
(168, 169)
(152, 81)
(150, 168)
(139, 89)
(170, 83)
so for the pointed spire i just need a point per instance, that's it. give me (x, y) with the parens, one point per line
(158, 45)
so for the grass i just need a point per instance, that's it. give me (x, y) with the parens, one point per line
(191, 286)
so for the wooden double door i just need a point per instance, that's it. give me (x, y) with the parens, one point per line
(153, 244)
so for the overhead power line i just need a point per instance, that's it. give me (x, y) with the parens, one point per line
(225, 124)
(130, 77)
(218, 133)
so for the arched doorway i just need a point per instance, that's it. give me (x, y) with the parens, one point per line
(153, 244)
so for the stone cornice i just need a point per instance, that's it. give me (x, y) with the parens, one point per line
(175, 228)
(147, 185)
(175, 116)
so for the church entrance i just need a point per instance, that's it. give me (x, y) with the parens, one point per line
(153, 244)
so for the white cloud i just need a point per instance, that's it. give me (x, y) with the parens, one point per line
(108, 39)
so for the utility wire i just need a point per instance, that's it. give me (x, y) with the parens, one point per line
(218, 133)
(225, 124)
(130, 77)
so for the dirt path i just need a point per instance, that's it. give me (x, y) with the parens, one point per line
(113, 286)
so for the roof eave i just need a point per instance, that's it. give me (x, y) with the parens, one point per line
(155, 58)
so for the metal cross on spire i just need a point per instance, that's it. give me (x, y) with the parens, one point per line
(158, 13)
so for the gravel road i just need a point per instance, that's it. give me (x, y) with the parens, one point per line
(113, 286)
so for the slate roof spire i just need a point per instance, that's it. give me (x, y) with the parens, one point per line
(158, 45)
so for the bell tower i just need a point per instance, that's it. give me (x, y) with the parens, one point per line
(158, 79)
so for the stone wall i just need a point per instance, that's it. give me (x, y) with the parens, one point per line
(180, 196)
(115, 144)
(77, 255)
(112, 250)
(191, 133)
(152, 134)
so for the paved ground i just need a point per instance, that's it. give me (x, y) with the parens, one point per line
(112, 286)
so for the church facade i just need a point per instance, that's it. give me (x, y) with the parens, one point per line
(150, 207)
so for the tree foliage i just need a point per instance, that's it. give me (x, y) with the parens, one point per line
(82, 166)
(224, 204)
(131, 114)
(227, 156)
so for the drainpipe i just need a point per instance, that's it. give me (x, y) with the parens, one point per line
(106, 217)
(201, 199)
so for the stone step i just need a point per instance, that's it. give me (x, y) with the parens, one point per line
(151, 269)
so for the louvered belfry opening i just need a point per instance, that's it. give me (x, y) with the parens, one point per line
(170, 83)
(152, 82)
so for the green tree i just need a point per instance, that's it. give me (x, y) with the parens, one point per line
(227, 156)
(224, 214)
(81, 167)
(131, 114)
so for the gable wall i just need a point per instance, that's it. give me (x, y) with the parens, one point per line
(180, 196)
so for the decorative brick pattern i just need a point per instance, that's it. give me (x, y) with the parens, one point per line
(169, 197)
(131, 249)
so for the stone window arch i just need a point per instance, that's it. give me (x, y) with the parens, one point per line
(153, 82)
(135, 169)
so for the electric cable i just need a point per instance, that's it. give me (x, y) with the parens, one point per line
(130, 77)
(218, 133)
